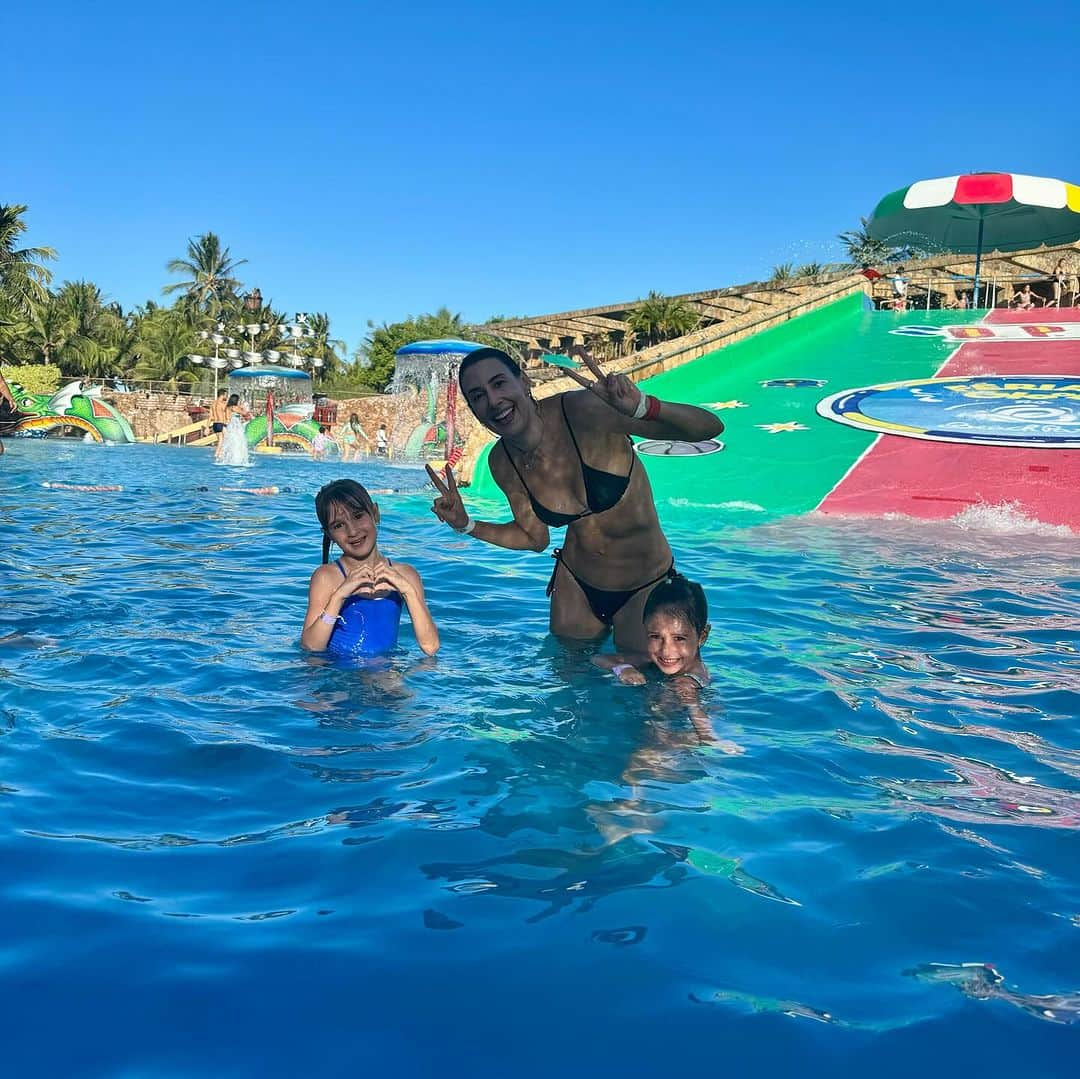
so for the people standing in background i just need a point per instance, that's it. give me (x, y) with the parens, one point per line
(351, 433)
(382, 441)
(1058, 278)
(320, 444)
(219, 416)
(899, 287)
(234, 447)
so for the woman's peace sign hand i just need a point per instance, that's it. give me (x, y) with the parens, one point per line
(448, 507)
(617, 391)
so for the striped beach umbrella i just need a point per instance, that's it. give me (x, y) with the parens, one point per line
(984, 211)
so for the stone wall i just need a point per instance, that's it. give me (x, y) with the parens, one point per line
(402, 413)
(153, 414)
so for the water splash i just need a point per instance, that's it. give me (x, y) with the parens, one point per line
(1006, 517)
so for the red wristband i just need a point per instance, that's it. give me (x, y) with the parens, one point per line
(652, 409)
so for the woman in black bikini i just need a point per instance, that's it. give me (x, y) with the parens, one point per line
(568, 461)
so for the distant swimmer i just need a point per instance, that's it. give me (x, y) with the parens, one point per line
(92, 487)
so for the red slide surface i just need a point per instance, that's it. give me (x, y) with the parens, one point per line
(939, 479)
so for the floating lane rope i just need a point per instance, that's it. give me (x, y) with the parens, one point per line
(93, 487)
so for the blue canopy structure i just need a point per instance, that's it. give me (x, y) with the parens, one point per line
(415, 363)
(438, 348)
(268, 371)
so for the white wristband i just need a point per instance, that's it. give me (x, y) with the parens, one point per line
(642, 406)
(620, 667)
(467, 527)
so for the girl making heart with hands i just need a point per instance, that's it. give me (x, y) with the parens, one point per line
(355, 602)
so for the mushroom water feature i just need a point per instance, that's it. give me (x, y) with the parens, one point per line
(426, 366)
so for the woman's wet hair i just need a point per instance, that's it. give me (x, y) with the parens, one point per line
(348, 493)
(234, 399)
(680, 596)
(489, 354)
(354, 418)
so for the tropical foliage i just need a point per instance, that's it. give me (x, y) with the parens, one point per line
(34, 378)
(85, 334)
(864, 250)
(23, 279)
(659, 318)
(209, 284)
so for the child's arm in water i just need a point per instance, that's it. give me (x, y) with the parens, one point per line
(688, 690)
(624, 666)
(407, 581)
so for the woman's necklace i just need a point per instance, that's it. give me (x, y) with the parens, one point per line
(531, 458)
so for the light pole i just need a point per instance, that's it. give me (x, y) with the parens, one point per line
(217, 338)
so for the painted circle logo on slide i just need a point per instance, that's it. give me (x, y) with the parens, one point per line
(662, 447)
(990, 410)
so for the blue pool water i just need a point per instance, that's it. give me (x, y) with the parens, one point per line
(220, 857)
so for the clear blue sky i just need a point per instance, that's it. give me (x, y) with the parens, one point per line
(374, 161)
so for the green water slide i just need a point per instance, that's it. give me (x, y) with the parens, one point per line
(780, 457)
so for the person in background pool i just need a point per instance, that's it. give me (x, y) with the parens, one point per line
(568, 461)
(351, 433)
(320, 444)
(234, 447)
(1025, 299)
(219, 416)
(354, 603)
(676, 622)
(1058, 278)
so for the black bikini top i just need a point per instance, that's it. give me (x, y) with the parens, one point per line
(602, 489)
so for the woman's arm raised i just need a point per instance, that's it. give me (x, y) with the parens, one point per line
(524, 533)
(616, 404)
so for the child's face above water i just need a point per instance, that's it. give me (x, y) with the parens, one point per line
(673, 643)
(353, 529)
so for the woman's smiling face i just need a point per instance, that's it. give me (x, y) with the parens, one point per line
(498, 398)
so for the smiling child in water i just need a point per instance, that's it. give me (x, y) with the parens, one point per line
(354, 603)
(676, 618)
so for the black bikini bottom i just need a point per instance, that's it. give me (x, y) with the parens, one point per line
(603, 602)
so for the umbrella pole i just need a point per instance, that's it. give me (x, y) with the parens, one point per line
(978, 261)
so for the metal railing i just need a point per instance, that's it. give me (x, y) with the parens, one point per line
(944, 292)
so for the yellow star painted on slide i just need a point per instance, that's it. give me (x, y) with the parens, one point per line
(726, 404)
(776, 428)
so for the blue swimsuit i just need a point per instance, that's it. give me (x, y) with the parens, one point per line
(368, 626)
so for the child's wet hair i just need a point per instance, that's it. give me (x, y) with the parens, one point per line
(679, 596)
(348, 493)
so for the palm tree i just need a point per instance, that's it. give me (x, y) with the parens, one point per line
(864, 250)
(22, 279)
(209, 272)
(810, 269)
(93, 327)
(47, 329)
(783, 272)
(164, 339)
(320, 343)
(659, 318)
